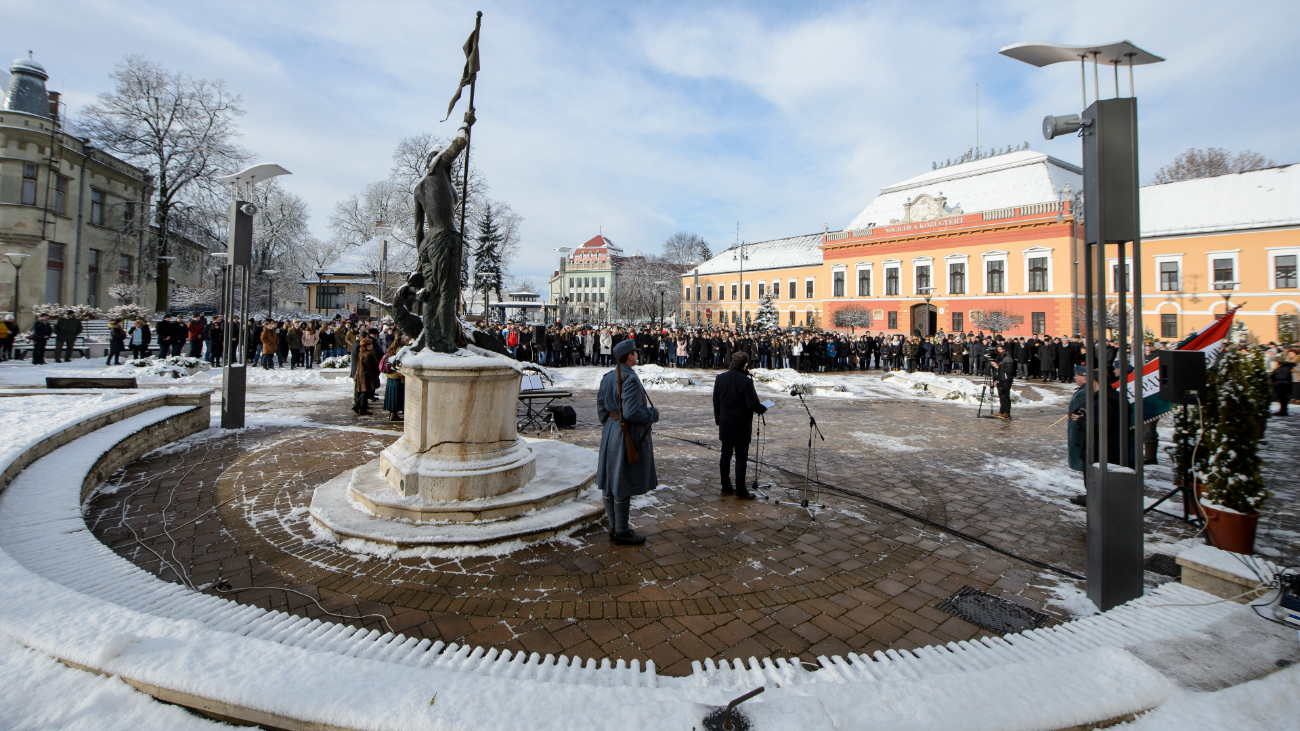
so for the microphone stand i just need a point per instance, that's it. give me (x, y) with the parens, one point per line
(811, 484)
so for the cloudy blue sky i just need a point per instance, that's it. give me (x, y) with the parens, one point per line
(642, 119)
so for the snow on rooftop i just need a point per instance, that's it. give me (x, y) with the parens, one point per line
(1264, 198)
(1013, 179)
(797, 251)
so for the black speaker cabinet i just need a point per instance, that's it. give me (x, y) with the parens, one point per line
(1182, 376)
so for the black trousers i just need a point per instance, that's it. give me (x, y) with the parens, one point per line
(38, 350)
(741, 452)
(1282, 394)
(1004, 399)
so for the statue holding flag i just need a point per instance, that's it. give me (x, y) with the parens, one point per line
(434, 288)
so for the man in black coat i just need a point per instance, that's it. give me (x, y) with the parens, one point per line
(41, 332)
(734, 404)
(1006, 374)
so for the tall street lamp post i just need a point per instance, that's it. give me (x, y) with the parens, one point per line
(17, 260)
(663, 287)
(564, 298)
(270, 290)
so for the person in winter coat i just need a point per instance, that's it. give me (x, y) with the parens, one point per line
(116, 343)
(734, 404)
(1281, 378)
(622, 401)
(216, 340)
(1005, 376)
(66, 330)
(366, 379)
(270, 344)
(41, 332)
(194, 336)
(8, 330)
(139, 337)
(295, 346)
(394, 384)
(309, 342)
(1077, 435)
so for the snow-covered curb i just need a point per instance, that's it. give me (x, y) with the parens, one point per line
(70, 597)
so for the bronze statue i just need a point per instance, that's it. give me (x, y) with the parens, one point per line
(434, 288)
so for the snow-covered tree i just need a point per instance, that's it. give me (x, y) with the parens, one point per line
(853, 315)
(201, 297)
(80, 312)
(1233, 476)
(768, 318)
(180, 129)
(995, 321)
(124, 291)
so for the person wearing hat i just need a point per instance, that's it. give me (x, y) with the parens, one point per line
(626, 463)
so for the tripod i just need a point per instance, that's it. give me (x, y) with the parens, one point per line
(988, 387)
(812, 485)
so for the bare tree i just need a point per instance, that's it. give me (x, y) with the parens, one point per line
(1208, 163)
(639, 296)
(685, 248)
(179, 128)
(853, 315)
(995, 321)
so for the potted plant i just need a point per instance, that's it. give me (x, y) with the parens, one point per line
(1234, 482)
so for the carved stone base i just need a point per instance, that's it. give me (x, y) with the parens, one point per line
(460, 441)
(359, 504)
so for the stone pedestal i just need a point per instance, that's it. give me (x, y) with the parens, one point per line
(460, 440)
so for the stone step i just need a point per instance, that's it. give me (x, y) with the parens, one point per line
(563, 471)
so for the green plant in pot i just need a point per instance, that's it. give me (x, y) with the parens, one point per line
(1233, 477)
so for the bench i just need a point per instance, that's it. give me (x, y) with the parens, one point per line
(51, 382)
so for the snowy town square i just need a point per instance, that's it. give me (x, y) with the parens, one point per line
(664, 366)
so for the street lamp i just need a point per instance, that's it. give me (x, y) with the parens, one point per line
(270, 288)
(217, 270)
(17, 261)
(564, 260)
(928, 294)
(663, 287)
(383, 231)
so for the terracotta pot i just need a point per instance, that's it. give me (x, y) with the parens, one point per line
(1230, 531)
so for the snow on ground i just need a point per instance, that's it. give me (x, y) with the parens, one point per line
(1271, 702)
(25, 374)
(38, 692)
(912, 443)
(26, 420)
(1054, 482)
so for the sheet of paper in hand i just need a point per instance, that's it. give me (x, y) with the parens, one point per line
(767, 404)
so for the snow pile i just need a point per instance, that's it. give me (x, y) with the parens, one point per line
(1055, 483)
(947, 389)
(340, 361)
(665, 378)
(175, 366)
(787, 379)
(893, 444)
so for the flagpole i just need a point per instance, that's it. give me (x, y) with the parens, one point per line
(464, 186)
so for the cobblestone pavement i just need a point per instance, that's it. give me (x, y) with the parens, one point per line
(718, 578)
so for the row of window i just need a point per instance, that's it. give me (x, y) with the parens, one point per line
(1224, 270)
(586, 282)
(98, 198)
(54, 273)
(704, 292)
(995, 279)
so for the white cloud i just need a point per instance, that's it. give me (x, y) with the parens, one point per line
(646, 119)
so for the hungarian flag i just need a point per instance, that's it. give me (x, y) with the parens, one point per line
(1208, 340)
(471, 69)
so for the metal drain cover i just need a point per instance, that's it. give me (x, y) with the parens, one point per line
(990, 612)
(1164, 564)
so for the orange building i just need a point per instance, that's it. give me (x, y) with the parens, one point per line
(1000, 233)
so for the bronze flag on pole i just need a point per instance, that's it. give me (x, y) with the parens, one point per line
(471, 68)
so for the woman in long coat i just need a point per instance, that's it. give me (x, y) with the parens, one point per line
(366, 378)
(619, 481)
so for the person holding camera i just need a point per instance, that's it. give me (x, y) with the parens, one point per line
(734, 404)
(1005, 376)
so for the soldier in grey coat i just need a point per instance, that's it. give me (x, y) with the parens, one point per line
(619, 481)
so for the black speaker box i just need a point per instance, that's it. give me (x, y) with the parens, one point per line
(539, 333)
(565, 417)
(1182, 376)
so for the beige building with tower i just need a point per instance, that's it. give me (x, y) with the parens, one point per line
(75, 218)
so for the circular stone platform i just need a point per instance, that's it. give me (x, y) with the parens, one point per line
(361, 504)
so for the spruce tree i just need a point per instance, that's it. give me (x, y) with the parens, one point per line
(487, 255)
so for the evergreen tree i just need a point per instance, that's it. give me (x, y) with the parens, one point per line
(705, 252)
(768, 318)
(487, 255)
(1233, 478)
